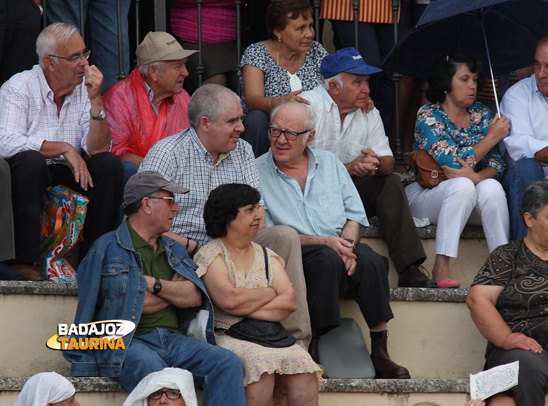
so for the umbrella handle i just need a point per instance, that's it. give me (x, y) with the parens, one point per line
(490, 68)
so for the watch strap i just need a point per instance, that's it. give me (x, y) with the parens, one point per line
(157, 286)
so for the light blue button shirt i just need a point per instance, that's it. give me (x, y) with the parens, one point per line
(527, 109)
(329, 199)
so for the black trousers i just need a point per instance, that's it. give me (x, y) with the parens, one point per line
(384, 197)
(20, 24)
(30, 177)
(327, 282)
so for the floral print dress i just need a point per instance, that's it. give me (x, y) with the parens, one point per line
(445, 141)
(256, 359)
(277, 79)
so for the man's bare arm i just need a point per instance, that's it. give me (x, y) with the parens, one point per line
(180, 293)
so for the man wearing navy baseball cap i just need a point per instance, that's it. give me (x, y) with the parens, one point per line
(356, 136)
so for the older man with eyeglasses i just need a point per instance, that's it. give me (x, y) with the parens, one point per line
(53, 131)
(311, 191)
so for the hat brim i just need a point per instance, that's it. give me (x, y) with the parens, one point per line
(363, 70)
(172, 56)
(174, 188)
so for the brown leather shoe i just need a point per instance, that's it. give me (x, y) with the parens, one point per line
(30, 272)
(385, 368)
(414, 276)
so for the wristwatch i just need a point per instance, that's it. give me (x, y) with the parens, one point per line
(99, 117)
(351, 241)
(157, 286)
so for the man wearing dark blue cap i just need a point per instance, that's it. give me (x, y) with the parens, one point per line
(357, 137)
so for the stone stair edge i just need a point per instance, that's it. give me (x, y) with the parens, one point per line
(103, 384)
(71, 289)
(428, 232)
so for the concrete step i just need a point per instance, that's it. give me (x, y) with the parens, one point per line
(431, 334)
(349, 392)
(472, 251)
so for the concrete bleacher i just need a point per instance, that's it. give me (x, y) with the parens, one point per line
(432, 335)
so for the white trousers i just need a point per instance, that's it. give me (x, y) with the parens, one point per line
(457, 202)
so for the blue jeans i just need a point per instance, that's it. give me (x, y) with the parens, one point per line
(218, 370)
(102, 32)
(518, 177)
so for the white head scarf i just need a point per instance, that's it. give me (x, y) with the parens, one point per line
(44, 388)
(173, 378)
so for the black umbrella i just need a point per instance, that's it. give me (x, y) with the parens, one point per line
(501, 33)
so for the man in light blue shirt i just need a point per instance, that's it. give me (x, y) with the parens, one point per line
(311, 191)
(526, 106)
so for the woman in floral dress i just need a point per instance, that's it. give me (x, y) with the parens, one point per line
(279, 69)
(233, 270)
(460, 135)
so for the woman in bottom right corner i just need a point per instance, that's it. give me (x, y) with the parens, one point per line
(508, 300)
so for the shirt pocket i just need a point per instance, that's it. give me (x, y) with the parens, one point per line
(114, 281)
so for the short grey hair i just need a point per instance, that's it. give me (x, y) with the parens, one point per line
(209, 101)
(337, 78)
(534, 198)
(310, 120)
(143, 69)
(50, 38)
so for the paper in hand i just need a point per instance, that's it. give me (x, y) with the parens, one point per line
(494, 380)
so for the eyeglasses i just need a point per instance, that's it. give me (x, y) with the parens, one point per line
(74, 58)
(289, 135)
(171, 394)
(170, 199)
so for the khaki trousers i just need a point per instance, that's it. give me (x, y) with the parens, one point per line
(284, 241)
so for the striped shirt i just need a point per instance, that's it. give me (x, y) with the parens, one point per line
(369, 11)
(183, 159)
(359, 130)
(329, 199)
(28, 115)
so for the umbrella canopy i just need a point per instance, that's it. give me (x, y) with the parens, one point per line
(509, 27)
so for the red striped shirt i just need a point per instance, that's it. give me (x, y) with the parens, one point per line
(369, 11)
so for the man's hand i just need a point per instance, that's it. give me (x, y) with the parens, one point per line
(78, 167)
(350, 265)
(178, 277)
(94, 83)
(345, 250)
(522, 342)
(542, 155)
(364, 165)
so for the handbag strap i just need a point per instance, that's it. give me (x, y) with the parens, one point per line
(265, 262)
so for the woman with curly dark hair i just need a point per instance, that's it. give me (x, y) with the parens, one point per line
(459, 134)
(246, 281)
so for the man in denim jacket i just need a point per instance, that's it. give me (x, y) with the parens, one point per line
(137, 274)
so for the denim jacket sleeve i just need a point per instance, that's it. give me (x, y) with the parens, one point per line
(89, 281)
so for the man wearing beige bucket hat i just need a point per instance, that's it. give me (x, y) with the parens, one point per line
(150, 104)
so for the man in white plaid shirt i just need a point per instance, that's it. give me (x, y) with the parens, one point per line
(49, 116)
(210, 153)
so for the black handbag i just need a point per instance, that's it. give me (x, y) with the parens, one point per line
(266, 333)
